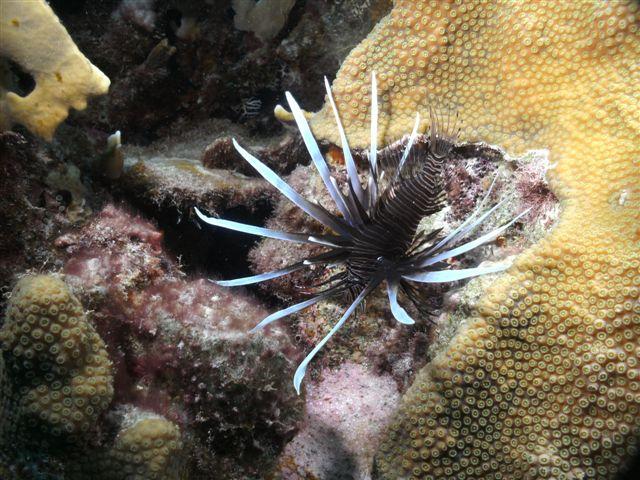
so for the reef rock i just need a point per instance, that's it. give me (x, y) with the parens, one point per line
(346, 412)
(181, 346)
(41, 197)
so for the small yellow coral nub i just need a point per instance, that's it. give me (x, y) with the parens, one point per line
(150, 449)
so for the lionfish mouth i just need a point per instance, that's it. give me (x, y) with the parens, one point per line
(375, 238)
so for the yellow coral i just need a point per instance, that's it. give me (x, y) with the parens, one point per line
(544, 382)
(32, 36)
(58, 363)
(147, 450)
(558, 75)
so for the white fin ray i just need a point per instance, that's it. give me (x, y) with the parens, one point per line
(316, 156)
(372, 194)
(407, 150)
(473, 225)
(463, 226)
(399, 313)
(351, 202)
(465, 247)
(237, 282)
(289, 310)
(323, 241)
(446, 276)
(313, 210)
(262, 232)
(353, 215)
(352, 170)
(302, 368)
(373, 152)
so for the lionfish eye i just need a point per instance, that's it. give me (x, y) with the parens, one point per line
(362, 209)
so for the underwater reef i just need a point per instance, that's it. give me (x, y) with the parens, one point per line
(126, 353)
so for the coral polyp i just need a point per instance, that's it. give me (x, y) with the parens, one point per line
(374, 237)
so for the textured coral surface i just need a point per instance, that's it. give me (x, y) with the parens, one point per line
(56, 360)
(146, 448)
(543, 383)
(519, 73)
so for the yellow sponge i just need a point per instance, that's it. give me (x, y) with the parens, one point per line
(32, 36)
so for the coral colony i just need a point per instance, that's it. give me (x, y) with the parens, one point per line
(375, 237)
(118, 359)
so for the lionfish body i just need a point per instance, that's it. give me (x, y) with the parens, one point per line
(375, 237)
(381, 245)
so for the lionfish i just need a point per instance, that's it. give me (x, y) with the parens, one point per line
(375, 237)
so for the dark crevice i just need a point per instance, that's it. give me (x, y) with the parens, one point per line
(21, 82)
(171, 21)
(294, 17)
(68, 7)
(221, 252)
(204, 250)
(632, 470)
